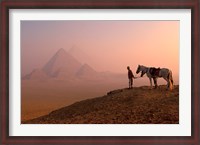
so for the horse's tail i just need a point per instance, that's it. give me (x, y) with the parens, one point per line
(170, 78)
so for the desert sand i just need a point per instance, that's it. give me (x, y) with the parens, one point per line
(41, 97)
(140, 105)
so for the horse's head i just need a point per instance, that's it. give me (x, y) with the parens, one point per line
(138, 69)
(142, 69)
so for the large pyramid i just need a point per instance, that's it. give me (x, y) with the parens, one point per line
(61, 64)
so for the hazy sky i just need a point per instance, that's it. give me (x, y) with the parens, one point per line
(110, 45)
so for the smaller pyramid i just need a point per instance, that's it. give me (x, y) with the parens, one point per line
(36, 74)
(86, 70)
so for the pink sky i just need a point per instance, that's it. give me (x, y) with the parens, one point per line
(110, 45)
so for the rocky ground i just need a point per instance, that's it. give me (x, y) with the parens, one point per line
(140, 105)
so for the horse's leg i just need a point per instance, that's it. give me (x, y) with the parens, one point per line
(171, 85)
(171, 81)
(150, 82)
(155, 82)
(168, 82)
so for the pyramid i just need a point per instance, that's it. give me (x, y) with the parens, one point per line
(61, 63)
(86, 70)
(36, 74)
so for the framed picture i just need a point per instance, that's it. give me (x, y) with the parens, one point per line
(100, 72)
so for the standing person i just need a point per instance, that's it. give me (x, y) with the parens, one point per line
(130, 77)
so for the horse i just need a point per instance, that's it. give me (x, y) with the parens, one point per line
(154, 73)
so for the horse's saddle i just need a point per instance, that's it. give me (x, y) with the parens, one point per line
(154, 71)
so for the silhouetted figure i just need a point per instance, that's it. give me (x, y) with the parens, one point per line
(130, 77)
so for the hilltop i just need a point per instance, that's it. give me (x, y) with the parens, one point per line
(124, 106)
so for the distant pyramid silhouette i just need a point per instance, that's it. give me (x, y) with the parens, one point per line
(36, 74)
(86, 70)
(61, 63)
